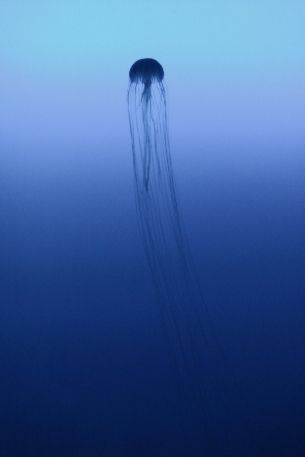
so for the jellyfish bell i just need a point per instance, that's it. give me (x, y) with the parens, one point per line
(146, 71)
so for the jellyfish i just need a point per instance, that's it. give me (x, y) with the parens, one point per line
(187, 319)
(160, 223)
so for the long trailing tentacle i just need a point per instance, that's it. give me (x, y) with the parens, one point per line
(187, 319)
(163, 236)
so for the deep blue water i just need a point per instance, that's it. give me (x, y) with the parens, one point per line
(85, 366)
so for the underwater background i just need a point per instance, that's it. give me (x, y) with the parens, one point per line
(86, 369)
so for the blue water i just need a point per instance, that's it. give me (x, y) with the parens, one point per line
(85, 365)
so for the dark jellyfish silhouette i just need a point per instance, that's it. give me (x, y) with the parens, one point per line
(186, 317)
(166, 247)
(160, 223)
